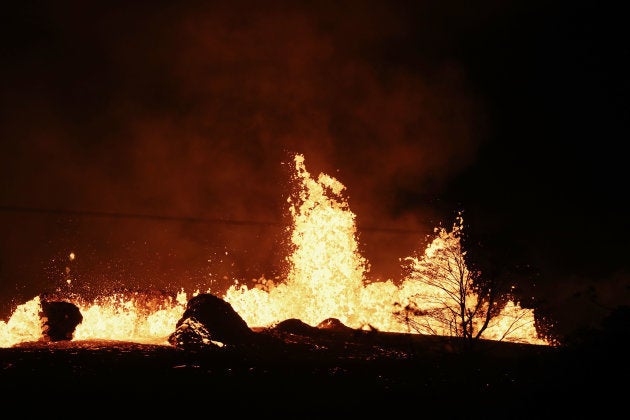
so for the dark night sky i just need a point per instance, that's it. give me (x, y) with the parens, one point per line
(513, 112)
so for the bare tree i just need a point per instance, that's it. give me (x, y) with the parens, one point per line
(447, 298)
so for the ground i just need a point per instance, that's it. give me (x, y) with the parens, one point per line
(323, 375)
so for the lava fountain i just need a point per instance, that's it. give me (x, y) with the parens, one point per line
(327, 274)
(326, 271)
(326, 277)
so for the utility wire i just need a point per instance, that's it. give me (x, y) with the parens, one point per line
(119, 215)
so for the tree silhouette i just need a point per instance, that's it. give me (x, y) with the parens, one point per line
(447, 298)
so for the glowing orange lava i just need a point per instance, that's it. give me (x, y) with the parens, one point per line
(326, 278)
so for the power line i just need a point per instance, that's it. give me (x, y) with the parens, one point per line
(118, 215)
(188, 219)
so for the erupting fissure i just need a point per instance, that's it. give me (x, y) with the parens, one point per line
(326, 277)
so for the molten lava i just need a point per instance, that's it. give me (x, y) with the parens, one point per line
(326, 278)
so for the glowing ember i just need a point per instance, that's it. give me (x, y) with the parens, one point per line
(326, 278)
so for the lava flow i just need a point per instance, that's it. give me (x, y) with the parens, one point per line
(326, 278)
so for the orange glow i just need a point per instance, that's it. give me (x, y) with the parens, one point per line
(326, 272)
(117, 317)
(131, 318)
(24, 324)
(326, 278)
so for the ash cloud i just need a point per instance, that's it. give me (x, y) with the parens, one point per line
(194, 110)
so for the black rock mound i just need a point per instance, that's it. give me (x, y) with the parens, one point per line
(295, 326)
(334, 324)
(59, 320)
(209, 320)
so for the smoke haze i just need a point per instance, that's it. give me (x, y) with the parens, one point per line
(190, 110)
(155, 140)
